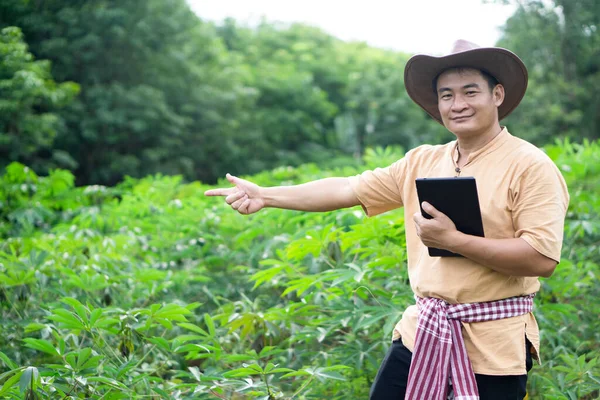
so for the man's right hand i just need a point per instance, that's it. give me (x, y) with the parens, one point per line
(244, 196)
(321, 195)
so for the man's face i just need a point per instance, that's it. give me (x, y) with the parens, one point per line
(466, 103)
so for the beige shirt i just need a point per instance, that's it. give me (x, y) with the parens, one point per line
(521, 194)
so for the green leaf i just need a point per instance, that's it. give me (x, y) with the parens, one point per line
(70, 359)
(195, 373)
(194, 348)
(9, 363)
(267, 275)
(320, 372)
(296, 373)
(254, 367)
(161, 392)
(83, 355)
(241, 373)
(164, 322)
(34, 327)
(172, 311)
(29, 379)
(161, 343)
(10, 383)
(41, 345)
(67, 319)
(105, 323)
(94, 315)
(79, 308)
(330, 373)
(193, 328)
(109, 381)
(193, 306)
(92, 362)
(189, 338)
(239, 357)
(210, 325)
(125, 368)
(269, 367)
(272, 369)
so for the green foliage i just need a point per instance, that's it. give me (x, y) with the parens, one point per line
(151, 289)
(163, 91)
(558, 41)
(30, 203)
(316, 92)
(158, 91)
(30, 98)
(568, 310)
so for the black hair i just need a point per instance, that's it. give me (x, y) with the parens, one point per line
(489, 78)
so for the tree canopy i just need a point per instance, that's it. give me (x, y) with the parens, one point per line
(161, 90)
(560, 44)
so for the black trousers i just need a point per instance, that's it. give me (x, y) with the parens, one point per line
(392, 378)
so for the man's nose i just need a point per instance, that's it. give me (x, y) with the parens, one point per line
(458, 104)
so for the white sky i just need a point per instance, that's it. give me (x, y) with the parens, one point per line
(412, 26)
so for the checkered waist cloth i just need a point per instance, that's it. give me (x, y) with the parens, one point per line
(440, 356)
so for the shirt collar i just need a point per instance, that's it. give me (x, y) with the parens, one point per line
(488, 148)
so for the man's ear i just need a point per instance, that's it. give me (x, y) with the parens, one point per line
(498, 94)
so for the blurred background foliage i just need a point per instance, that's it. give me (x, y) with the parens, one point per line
(110, 88)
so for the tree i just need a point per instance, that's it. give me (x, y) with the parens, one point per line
(316, 91)
(154, 79)
(559, 42)
(377, 109)
(30, 99)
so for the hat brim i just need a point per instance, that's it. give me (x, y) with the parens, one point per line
(502, 64)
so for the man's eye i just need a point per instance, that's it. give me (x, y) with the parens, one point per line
(471, 92)
(446, 96)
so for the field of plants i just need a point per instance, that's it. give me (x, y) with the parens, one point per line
(148, 289)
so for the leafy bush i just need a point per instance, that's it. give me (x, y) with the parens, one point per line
(151, 289)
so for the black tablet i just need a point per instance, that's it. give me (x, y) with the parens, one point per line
(457, 198)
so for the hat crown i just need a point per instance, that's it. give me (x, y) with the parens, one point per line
(463, 45)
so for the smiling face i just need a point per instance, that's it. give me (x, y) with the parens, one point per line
(467, 104)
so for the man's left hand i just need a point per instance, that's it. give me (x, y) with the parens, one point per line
(437, 232)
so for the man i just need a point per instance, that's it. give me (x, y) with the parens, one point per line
(471, 334)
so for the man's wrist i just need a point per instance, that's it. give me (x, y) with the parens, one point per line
(456, 241)
(263, 193)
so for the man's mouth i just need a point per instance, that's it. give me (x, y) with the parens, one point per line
(461, 118)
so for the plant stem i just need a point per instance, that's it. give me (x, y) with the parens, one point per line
(264, 377)
(302, 387)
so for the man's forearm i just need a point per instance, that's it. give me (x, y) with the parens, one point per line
(510, 256)
(322, 195)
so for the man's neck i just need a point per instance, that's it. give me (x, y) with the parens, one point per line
(470, 144)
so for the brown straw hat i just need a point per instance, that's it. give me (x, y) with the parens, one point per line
(508, 69)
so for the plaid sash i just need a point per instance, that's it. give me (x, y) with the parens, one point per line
(440, 354)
